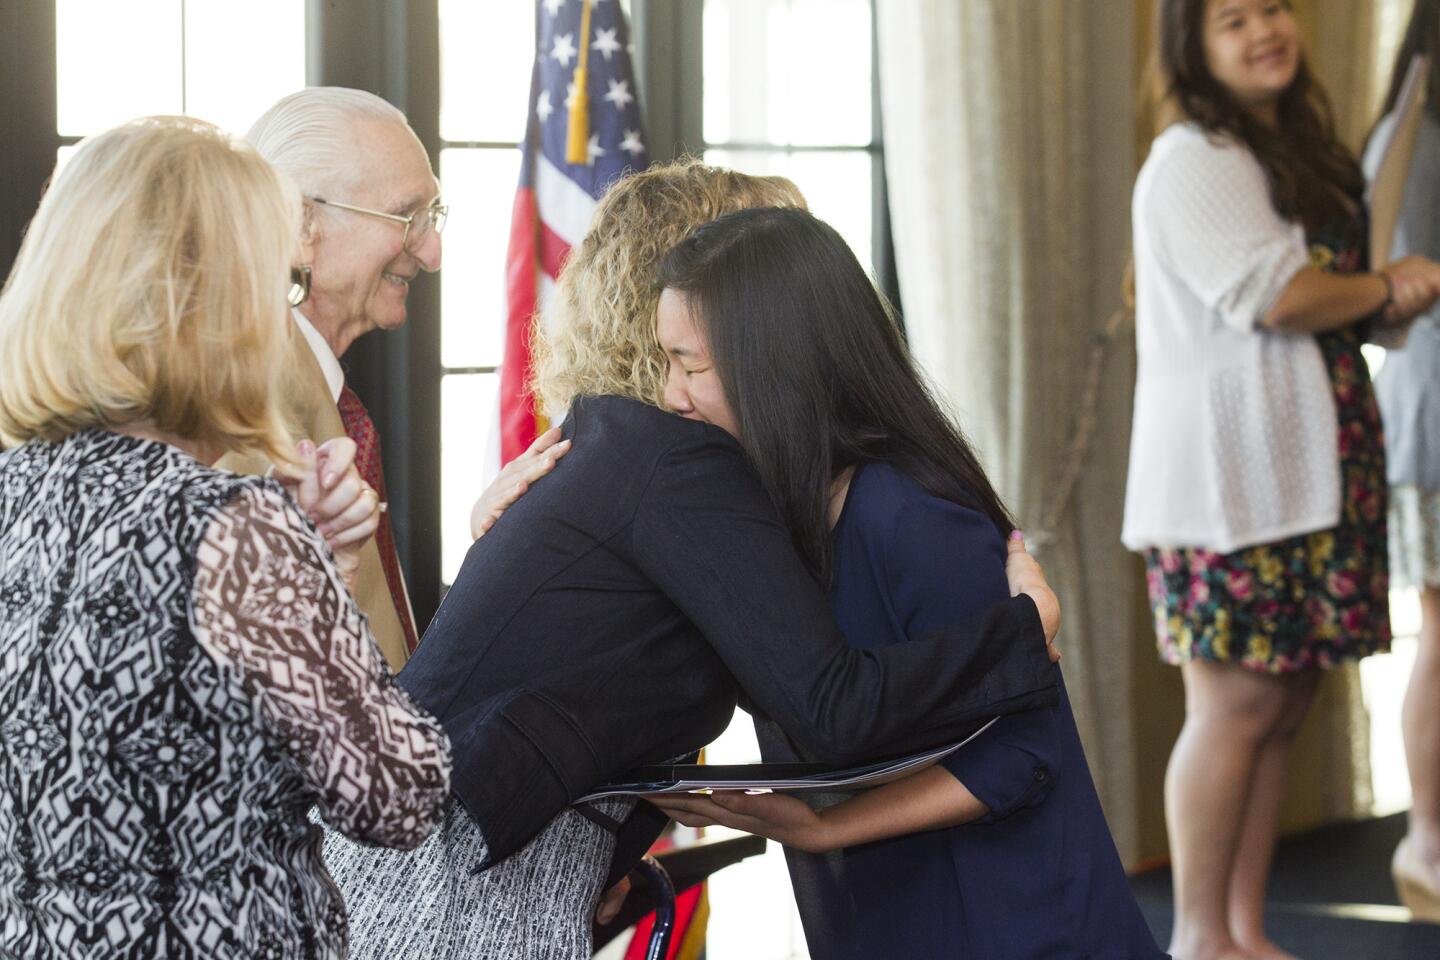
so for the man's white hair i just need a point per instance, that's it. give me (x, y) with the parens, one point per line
(312, 135)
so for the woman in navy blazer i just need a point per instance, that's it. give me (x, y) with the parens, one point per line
(613, 617)
(775, 334)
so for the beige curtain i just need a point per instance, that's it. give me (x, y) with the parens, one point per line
(1010, 136)
(1341, 38)
(1010, 151)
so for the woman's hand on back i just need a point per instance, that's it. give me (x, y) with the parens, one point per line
(515, 479)
(1025, 576)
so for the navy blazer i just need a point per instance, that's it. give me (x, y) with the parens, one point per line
(615, 613)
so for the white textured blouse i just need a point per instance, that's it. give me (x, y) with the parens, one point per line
(1234, 436)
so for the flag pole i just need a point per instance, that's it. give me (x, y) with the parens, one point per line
(577, 143)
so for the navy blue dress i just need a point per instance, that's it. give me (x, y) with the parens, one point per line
(1039, 875)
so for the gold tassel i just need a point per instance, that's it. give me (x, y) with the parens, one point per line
(577, 141)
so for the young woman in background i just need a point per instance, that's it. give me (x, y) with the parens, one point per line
(1257, 469)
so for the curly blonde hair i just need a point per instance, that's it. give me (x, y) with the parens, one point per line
(597, 337)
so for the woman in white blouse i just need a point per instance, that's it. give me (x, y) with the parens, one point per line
(1257, 482)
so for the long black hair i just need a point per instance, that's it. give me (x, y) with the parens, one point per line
(1422, 37)
(1313, 178)
(815, 370)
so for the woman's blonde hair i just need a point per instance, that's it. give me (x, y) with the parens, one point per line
(598, 334)
(150, 288)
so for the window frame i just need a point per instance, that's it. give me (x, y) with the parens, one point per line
(392, 48)
(672, 83)
(28, 108)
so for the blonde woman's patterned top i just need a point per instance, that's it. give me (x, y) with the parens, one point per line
(182, 675)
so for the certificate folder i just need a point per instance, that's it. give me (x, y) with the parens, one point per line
(771, 777)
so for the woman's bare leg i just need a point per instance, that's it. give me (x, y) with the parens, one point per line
(1420, 722)
(1230, 714)
(1256, 851)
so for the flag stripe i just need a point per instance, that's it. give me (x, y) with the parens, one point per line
(553, 251)
(565, 205)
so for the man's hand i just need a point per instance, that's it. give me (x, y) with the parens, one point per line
(611, 901)
(330, 490)
(1025, 576)
(515, 479)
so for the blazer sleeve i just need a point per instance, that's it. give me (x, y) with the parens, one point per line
(929, 547)
(705, 533)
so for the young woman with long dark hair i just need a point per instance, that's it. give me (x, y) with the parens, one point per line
(775, 334)
(1257, 471)
(1408, 389)
(611, 616)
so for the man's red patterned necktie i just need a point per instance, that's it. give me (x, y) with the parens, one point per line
(360, 428)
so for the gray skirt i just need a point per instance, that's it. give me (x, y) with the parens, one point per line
(1414, 534)
(430, 904)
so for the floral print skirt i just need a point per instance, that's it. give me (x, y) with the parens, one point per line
(1314, 600)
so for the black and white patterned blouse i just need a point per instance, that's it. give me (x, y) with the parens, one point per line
(182, 675)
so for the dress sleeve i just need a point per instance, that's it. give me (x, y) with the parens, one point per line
(271, 609)
(706, 535)
(945, 564)
(1218, 232)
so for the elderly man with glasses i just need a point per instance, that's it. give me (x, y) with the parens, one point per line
(371, 222)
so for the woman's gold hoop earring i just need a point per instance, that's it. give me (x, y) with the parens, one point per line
(299, 285)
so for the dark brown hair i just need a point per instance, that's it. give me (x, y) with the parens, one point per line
(1422, 37)
(1313, 178)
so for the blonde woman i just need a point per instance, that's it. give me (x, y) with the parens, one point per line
(598, 336)
(185, 671)
(612, 616)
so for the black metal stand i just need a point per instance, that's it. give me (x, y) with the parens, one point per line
(664, 929)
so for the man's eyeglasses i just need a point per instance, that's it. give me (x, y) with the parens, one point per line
(417, 226)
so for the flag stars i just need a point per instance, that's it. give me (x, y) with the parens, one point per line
(606, 42)
(620, 94)
(552, 7)
(543, 107)
(564, 49)
(569, 95)
(593, 149)
(632, 143)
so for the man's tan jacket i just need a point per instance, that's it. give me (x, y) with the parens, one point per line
(310, 409)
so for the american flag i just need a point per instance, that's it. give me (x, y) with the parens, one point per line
(555, 197)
